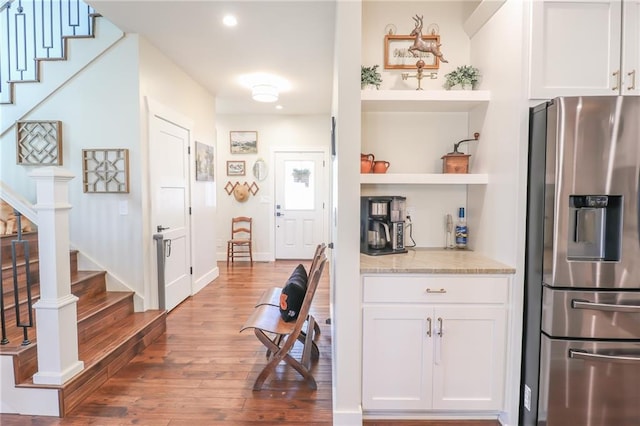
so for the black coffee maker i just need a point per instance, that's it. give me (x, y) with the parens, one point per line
(382, 225)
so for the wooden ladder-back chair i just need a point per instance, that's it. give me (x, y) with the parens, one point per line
(266, 321)
(240, 244)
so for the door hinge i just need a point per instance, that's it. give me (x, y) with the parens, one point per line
(322, 163)
(189, 210)
(189, 150)
(190, 270)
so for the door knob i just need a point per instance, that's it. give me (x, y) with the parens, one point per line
(161, 228)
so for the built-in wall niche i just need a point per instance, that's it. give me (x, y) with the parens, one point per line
(428, 206)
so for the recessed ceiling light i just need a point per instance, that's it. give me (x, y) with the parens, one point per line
(278, 106)
(230, 21)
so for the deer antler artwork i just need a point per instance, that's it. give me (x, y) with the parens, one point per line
(421, 45)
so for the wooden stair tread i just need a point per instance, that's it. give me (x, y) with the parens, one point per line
(94, 305)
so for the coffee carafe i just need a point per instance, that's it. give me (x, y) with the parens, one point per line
(378, 235)
(382, 225)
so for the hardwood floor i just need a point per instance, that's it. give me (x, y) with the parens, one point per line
(201, 371)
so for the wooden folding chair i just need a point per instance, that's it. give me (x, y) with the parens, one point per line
(271, 296)
(265, 320)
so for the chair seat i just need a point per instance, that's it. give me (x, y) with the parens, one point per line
(270, 296)
(239, 241)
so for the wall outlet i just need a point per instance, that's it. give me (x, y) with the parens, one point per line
(527, 397)
(411, 212)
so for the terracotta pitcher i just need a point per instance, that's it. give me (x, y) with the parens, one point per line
(366, 163)
(380, 166)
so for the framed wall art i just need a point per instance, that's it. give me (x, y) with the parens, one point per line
(105, 170)
(39, 143)
(243, 142)
(236, 168)
(397, 55)
(204, 162)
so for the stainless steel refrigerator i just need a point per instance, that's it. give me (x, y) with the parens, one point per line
(581, 345)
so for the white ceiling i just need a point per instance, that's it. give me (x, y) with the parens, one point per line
(292, 39)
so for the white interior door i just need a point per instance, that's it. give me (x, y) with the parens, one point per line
(299, 203)
(169, 169)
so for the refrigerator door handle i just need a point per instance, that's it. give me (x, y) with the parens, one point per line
(584, 304)
(588, 356)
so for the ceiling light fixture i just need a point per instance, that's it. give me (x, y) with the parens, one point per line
(230, 21)
(264, 93)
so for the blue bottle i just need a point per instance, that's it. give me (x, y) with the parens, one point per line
(462, 233)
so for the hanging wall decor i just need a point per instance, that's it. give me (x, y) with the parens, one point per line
(204, 162)
(39, 143)
(105, 170)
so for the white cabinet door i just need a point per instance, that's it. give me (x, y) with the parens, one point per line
(469, 357)
(397, 356)
(631, 47)
(575, 48)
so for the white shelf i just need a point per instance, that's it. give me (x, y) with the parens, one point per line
(424, 179)
(423, 100)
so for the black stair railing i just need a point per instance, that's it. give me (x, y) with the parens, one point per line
(34, 30)
(22, 310)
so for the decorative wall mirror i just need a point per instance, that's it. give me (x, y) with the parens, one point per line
(260, 170)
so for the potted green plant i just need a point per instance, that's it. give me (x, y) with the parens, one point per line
(465, 77)
(369, 76)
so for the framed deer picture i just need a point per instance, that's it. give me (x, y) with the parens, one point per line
(397, 55)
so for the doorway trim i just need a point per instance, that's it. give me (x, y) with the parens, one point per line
(325, 190)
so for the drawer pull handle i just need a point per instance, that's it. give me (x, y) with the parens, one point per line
(442, 290)
(429, 326)
(617, 76)
(583, 304)
(589, 356)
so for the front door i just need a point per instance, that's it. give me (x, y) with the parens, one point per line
(299, 203)
(169, 169)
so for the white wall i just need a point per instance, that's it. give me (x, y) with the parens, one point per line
(103, 107)
(99, 109)
(498, 211)
(448, 15)
(298, 132)
(166, 83)
(345, 257)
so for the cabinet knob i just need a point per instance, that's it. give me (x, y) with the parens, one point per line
(442, 290)
(632, 74)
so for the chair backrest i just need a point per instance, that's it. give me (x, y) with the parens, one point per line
(312, 285)
(241, 227)
(316, 257)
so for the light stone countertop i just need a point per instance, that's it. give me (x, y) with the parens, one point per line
(433, 261)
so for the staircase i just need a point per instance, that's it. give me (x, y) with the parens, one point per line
(110, 333)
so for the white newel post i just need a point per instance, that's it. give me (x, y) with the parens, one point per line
(56, 311)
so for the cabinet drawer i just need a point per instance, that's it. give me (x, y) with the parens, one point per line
(435, 289)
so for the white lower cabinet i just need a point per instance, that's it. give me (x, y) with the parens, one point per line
(435, 346)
